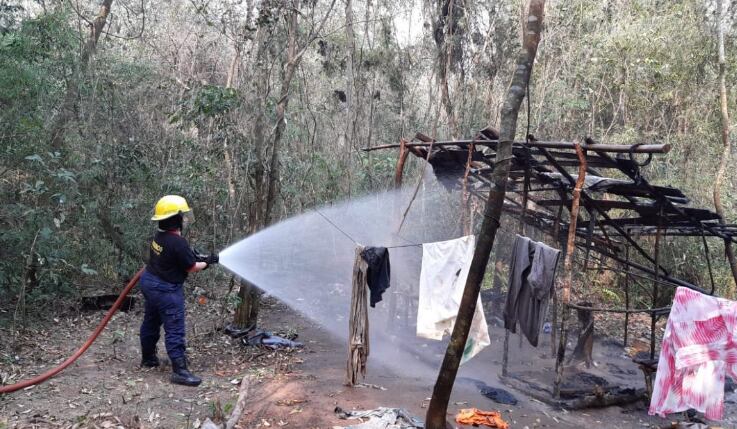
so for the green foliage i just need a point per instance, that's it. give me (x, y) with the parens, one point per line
(37, 187)
(210, 101)
(152, 116)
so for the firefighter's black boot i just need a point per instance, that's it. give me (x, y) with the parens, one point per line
(181, 374)
(149, 358)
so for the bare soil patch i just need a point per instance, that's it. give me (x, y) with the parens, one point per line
(293, 389)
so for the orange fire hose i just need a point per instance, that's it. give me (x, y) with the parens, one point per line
(52, 372)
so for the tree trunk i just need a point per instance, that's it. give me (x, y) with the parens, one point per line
(727, 147)
(67, 107)
(492, 213)
(260, 215)
(227, 156)
(350, 90)
(444, 41)
(290, 65)
(294, 56)
(565, 295)
(233, 68)
(261, 73)
(397, 213)
(584, 349)
(246, 315)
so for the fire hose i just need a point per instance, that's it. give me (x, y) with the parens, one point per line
(52, 372)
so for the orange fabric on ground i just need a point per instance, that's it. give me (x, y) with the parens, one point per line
(473, 416)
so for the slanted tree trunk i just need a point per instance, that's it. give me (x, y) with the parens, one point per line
(66, 110)
(726, 143)
(438, 408)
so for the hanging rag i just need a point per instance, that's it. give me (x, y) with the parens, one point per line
(445, 266)
(531, 284)
(475, 417)
(699, 348)
(381, 418)
(379, 271)
(358, 323)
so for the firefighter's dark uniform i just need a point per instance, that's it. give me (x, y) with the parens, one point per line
(162, 285)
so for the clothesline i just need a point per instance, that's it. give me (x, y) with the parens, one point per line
(327, 219)
(336, 227)
(660, 310)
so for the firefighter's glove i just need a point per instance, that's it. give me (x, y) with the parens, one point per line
(214, 258)
(199, 256)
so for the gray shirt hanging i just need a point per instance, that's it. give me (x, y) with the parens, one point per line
(531, 282)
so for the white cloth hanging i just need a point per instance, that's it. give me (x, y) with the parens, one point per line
(445, 266)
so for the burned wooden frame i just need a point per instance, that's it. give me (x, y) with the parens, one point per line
(621, 206)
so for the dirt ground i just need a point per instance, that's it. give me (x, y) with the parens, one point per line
(293, 389)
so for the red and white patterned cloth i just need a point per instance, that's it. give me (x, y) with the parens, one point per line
(699, 348)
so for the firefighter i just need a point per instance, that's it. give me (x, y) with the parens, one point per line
(170, 260)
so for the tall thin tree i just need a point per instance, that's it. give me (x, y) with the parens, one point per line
(492, 213)
(729, 251)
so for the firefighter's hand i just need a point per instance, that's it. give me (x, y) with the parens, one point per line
(214, 258)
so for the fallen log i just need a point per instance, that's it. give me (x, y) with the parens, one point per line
(597, 397)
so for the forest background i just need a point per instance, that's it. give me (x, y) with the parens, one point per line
(256, 110)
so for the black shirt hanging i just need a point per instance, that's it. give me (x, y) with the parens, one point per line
(377, 259)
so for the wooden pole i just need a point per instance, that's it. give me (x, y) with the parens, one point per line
(525, 189)
(554, 316)
(438, 408)
(465, 195)
(626, 293)
(398, 176)
(653, 316)
(589, 234)
(611, 148)
(521, 226)
(399, 172)
(568, 267)
(708, 262)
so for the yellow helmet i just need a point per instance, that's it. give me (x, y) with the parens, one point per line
(168, 206)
